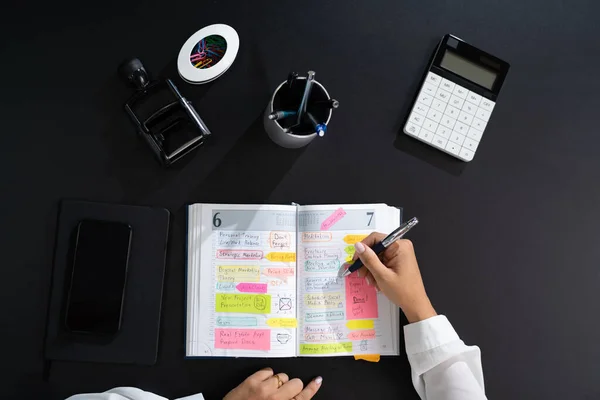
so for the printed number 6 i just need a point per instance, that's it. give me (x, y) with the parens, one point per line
(216, 220)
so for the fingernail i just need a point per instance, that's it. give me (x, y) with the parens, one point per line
(359, 247)
(318, 380)
(369, 281)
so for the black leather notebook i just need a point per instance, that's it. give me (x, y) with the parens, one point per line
(137, 340)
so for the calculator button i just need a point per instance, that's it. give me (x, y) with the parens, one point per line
(460, 92)
(412, 129)
(483, 114)
(473, 98)
(439, 142)
(470, 144)
(466, 154)
(478, 124)
(425, 99)
(443, 131)
(447, 85)
(426, 136)
(452, 111)
(487, 105)
(465, 118)
(453, 148)
(438, 105)
(433, 78)
(421, 109)
(430, 125)
(470, 108)
(457, 138)
(434, 115)
(448, 122)
(416, 119)
(443, 95)
(461, 128)
(456, 101)
(429, 89)
(474, 134)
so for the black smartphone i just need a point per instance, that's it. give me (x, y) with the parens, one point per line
(98, 277)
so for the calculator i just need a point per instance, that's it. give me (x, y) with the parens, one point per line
(457, 97)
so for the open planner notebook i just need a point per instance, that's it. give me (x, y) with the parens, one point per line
(262, 281)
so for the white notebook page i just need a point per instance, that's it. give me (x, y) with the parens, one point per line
(341, 316)
(242, 302)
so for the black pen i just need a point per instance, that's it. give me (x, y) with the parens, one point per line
(331, 103)
(381, 246)
(291, 78)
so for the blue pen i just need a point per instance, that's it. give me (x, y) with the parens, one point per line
(319, 128)
(381, 246)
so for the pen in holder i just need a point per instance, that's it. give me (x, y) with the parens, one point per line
(299, 111)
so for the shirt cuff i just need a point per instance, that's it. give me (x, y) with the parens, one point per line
(430, 333)
(127, 392)
(197, 396)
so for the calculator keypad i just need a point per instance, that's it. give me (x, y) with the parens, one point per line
(449, 117)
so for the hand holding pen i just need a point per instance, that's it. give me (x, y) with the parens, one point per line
(380, 246)
(395, 272)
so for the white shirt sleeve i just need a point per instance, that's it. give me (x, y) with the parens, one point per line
(443, 367)
(127, 393)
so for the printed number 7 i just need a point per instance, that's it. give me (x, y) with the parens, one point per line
(370, 215)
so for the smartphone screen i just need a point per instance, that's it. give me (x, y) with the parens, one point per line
(98, 277)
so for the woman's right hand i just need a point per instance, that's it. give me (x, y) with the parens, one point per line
(264, 385)
(396, 274)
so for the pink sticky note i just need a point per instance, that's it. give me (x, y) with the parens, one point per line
(252, 287)
(243, 339)
(333, 218)
(362, 335)
(361, 299)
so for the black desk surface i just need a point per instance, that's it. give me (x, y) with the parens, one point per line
(508, 245)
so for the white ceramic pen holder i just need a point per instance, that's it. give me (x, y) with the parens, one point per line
(285, 99)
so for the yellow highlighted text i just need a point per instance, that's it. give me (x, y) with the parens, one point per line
(282, 322)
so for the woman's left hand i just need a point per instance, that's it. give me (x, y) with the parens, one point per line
(264, 385)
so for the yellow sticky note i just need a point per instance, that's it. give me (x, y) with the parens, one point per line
(350, 250)
(360, 324)
(282, 322)
(351, 239)
(283, 257)
(326, 348)
(243, 303)
(368, 357)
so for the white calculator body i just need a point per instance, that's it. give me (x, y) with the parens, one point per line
(457, 98)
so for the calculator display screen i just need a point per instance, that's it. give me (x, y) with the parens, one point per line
(468, 69)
